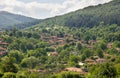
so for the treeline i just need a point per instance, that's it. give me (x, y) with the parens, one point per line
(22, 25)
(108, 13)
(7, 20)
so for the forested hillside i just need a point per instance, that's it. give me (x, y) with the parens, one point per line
(108, 13)
(90, 16)
(81, 44)
(61, 52)
(8, 19)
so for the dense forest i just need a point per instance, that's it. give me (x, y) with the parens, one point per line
(9, 21)
(81, 44)
(108, 13)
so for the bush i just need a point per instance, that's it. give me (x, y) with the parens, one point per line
(67, 75)
(9, 75)
(21, 76)
(1, 74)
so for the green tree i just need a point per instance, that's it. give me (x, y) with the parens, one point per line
(117, 66)
(79, 46)
(17, 55)
(103, 46)
(100, 53)
(104, 71)
(9, 75)
(112, 51)
(8, 65)
(30, 62)
(87, 52)
(117, 44)
(67, 75)
(1, 74)
(74, 61)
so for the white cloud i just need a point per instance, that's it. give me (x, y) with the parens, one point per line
(45, 10)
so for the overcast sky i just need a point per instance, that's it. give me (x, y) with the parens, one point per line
(45, 8)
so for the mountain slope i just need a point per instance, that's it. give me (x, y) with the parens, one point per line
(8, 19)
(108, 13)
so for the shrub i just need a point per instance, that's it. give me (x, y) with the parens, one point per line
(9, 75)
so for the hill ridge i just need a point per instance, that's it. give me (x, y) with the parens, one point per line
(9, 19)
(108, 13)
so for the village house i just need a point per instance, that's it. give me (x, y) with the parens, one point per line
(54, 38)
(54, 46)
(3, 51)
(96, 60)
(109, 45)
(118, 49)
(46, 38)
(74, 69)
(4, 43)
(37, 71)
(74, 52)
(75, 40)
(53, 54)
(51, 42)
(60, 38)
(101, 60)
(65, 35)
(1, 40)
(89, 46)
(96, 57)
(90, 61)
(82, 41)
(1, 32)
(61, 42)
(80, 63)
(92, 42)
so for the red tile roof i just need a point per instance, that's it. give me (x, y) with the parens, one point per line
(4, 43)
(2, 49)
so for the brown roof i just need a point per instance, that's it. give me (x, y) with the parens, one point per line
(82, 41)
(91, 41)
(118, 49)
(31, 70)
(46, 37)
(54, 37)
(53, 54)
(101, 59)
(109, 45)
(74, 69)
(4, 43)
(90, 61)
(1, 39)
(51, 42)
(0, 32)
(2, 49)
(96, 57)
(3, 53)
(60, 40)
